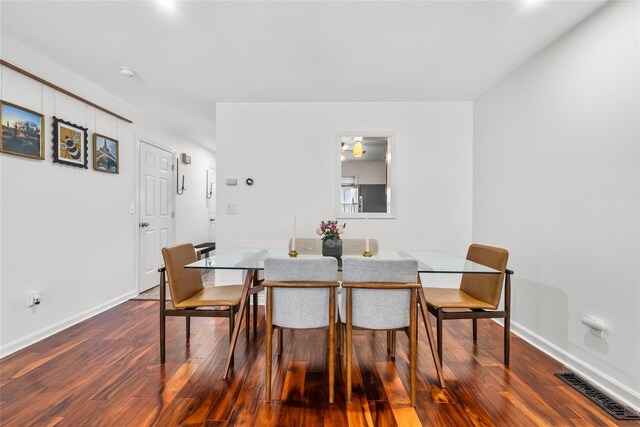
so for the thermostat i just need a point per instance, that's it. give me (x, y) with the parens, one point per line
(249, 181)
(186, 159)
(232, 181)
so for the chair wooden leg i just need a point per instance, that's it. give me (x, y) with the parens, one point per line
(268, 347)
(475, 330)
(248, 317)
(507, 318)
(348, 344)
(188, 327)
(332, 343)
(507, 340)
(255, 315)
(391, 343)
(413, 344)
(232, 321)
(339, 337)
(439, 333)
(279, 341)
(163, 299)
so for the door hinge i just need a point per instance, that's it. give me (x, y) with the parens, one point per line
(172, 167)
(173, 214)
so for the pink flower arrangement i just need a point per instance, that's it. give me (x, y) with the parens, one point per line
(330, 230)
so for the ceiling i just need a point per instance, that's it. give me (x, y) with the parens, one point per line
(203, 52)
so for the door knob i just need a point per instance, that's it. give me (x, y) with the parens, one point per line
(144, 224)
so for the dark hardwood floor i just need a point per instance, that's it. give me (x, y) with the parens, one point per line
(106, 371)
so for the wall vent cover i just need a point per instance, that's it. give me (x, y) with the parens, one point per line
(598, 397)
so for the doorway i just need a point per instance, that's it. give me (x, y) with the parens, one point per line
(156, 210)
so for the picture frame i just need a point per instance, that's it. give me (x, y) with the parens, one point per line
(22, 131)
(106, 154)
(69, 143)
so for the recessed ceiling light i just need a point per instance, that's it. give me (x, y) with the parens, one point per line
(127, 72)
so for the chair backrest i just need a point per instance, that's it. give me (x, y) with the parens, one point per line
(486, 287)
(183, 282)
(379, 308)
(307, 246)
(358, 246)
(349, 246)
(300, 307)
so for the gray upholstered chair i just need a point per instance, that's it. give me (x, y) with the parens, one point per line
(380, 295)
(310, 246)
(357, 246)
(300, 295)
(307, 246)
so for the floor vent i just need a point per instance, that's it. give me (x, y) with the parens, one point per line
(598, 397)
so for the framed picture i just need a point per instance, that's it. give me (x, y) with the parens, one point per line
(22, 133)
(105, 154)
(69, 143)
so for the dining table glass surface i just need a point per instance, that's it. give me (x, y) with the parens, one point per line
(429, 261)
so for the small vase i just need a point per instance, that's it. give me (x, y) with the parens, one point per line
(332, 247)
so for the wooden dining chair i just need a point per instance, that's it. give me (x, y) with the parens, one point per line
(478, 296)
(300, 295)
(189, 297)
(380, 294)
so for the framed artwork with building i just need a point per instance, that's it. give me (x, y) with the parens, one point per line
(105, 154)
(21, 131)
(69, 143)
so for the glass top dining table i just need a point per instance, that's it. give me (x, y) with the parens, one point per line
(429, 261)
(252, 260)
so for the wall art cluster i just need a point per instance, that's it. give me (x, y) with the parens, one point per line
(23, 135)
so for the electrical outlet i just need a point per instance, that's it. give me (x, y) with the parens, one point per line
(232, 209)
(34, 298)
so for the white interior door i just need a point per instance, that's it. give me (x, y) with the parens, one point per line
(211, 201)
(156, 211)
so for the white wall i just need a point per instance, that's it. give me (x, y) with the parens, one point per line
(556, 173)
(290, 149)
(67, 231)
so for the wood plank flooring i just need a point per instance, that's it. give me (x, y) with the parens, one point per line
(105, 372)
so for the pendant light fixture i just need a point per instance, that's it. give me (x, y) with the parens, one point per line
(357, 147)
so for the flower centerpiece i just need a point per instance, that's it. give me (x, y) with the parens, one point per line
(330, 233)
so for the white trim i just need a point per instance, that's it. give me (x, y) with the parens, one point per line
(34, 337)
(141, 139)
(610, 385)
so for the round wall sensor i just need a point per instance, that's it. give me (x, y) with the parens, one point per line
(249, 181)
(127, 72)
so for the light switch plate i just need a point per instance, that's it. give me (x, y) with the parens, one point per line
(232, 209)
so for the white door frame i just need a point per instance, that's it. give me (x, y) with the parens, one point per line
(140, 139)
(215, 194)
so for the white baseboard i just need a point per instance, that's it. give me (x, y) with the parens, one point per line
(34, 337)
(610, 385)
